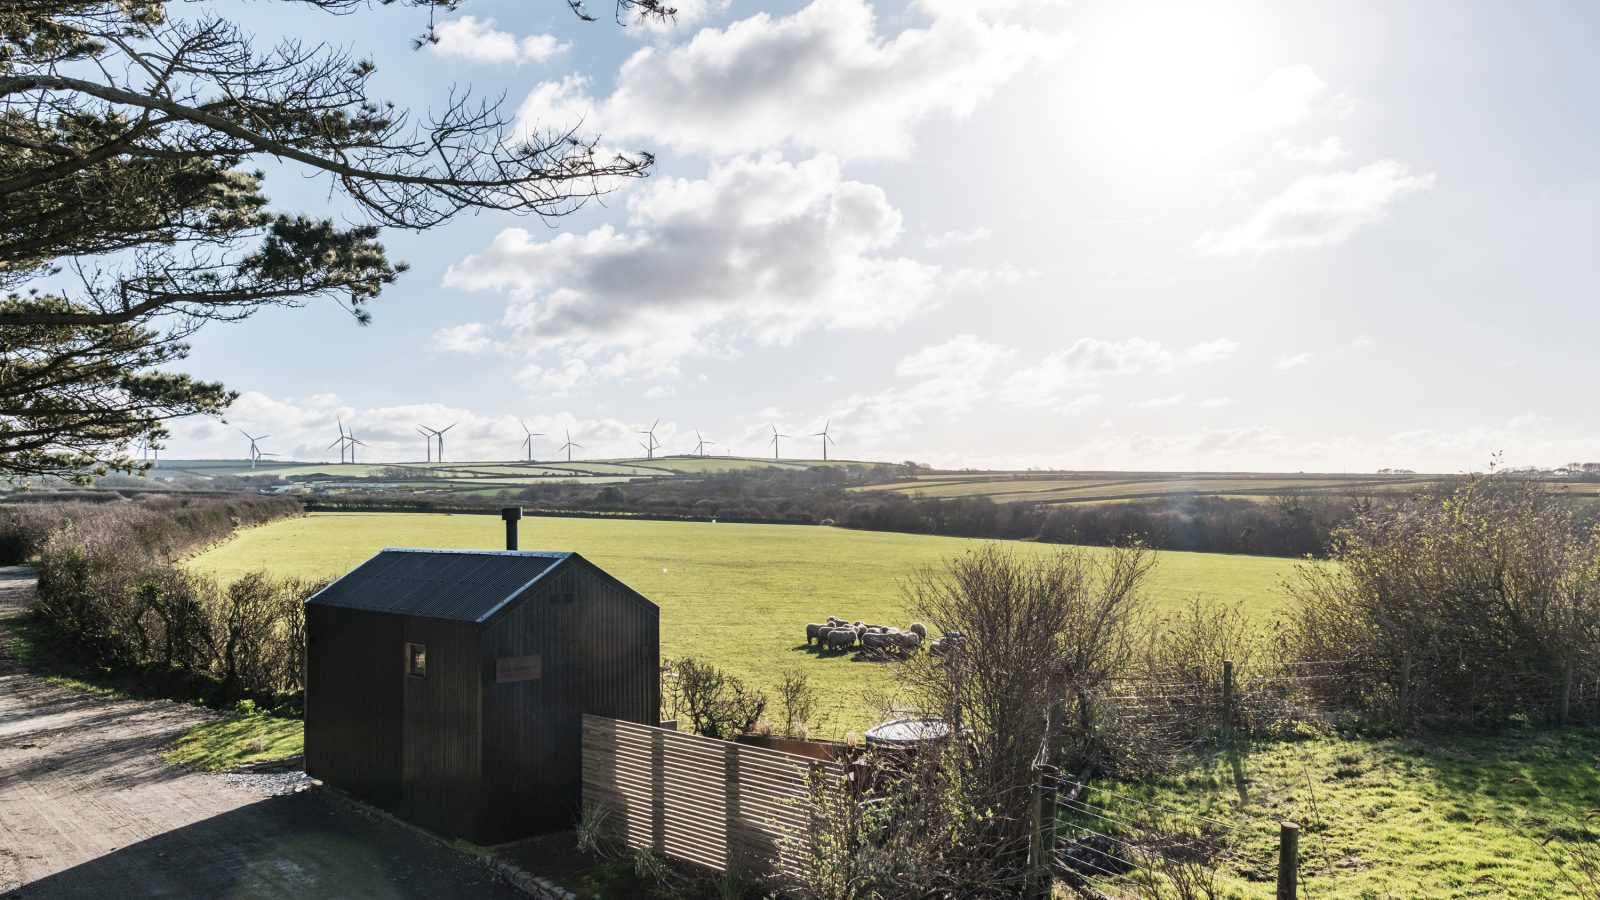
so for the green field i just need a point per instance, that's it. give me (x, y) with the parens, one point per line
(1448, 817)
(739, 595)
(1381, 818)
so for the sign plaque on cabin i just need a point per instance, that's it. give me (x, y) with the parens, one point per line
(516, 668)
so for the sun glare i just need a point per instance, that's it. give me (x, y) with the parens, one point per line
(1180, 81)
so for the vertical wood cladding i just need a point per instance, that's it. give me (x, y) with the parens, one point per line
(598, 645)
(442, 742)
(487, 744)
(354, 702)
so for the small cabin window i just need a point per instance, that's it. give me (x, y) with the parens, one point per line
(416, 660)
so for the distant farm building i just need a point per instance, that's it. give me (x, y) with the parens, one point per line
(449, 686)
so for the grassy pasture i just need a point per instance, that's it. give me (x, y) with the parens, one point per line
(1452, 817)
(736, 594)
(1381, 818)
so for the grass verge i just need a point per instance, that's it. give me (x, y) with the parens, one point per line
(235, 740)
(241, 736)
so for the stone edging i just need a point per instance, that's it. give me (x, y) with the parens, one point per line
(543, 888)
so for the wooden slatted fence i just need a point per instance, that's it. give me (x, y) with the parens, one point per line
(715, 803)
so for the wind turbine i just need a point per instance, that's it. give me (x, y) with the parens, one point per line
(528, 441)
(775, 438)
(427, 444)
(439, 433)
(826, 438)
(569, 445)
(255, 451)
(342, 443)
(353, 445)
(700, 443)
(650, 448)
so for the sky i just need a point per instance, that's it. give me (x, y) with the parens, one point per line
(1008, 234)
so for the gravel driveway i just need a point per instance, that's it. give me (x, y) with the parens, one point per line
(89, 809)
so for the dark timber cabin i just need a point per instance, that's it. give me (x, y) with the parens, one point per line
(448, 686)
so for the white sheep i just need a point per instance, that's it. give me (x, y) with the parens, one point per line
(907, 641)
(877, 640)
(840, 638)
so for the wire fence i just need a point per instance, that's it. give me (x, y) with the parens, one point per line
(1107, 837)
(1135, 846)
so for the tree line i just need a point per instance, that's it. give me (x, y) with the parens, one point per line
(1291, 525)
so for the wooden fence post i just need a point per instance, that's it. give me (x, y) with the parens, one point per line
(1566, 689)
(1404, 713)
(1046, 777)
(1227, 702)
(1288, 860)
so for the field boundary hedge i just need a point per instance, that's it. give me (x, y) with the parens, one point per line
(112, 592)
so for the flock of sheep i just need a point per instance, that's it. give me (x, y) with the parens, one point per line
(837, 634)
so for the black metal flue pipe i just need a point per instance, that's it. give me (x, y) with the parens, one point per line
(511, 514)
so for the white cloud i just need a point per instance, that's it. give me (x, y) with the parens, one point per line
(1209, 352)
(951, 375)
(1318, 209)
(764, 249)
(947, 378)
(302, 429)
(470, 338)
(821, 79)
(1058, 380)
(970, 236)
(1291, 360)
(478, 40)
(1287, 97)
(556, 380)
(961, 356)
(1328, 150)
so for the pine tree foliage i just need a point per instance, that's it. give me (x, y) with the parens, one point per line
(132, 212)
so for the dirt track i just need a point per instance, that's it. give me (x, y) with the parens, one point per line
(89, 809)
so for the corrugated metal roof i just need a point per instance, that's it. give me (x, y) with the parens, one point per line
(465, 585)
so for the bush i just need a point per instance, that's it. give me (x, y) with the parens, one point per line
(1035, 631)
(108, 585)
(1462, 607)
(163, 527)
(717, 704)
(797, 699)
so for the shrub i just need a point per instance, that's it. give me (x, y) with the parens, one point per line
(717, 704)
(1036, 631)
(797, 701)
(108, 585)
(1489, 591)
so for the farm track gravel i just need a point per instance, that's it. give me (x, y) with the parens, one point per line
(89, 809)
